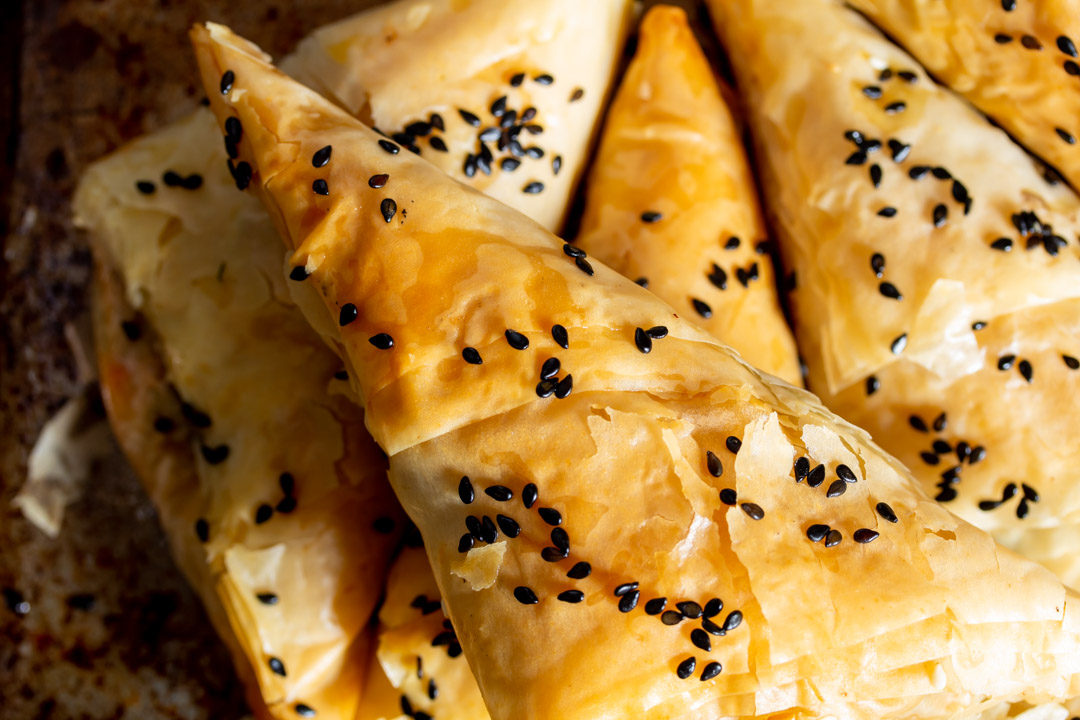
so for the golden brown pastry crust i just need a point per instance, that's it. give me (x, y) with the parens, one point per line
(517, 87)
(219, 399)
(922, 617)
(1015, 61)
(671, 200)
(976, 396)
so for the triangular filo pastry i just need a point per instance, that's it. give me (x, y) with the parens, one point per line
(502, 94)
(671, 202)
(1016, 60)
(625, 519)
(937, 298)
(233, 414)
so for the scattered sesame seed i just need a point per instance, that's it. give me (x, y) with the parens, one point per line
(1031, 42)
(145, 187)
(465, 490)
(580, 571)
(319, 187)
(388, 208)
(816, 476)
(875, 175)
(1025, 369)
(643, 341)
(817, 532)
(1005, 362)
(856, 158)
(700, 639)
(286, 505)
(529, 495)
(887, 212)
(865, 535)
(712, 462)
(896, 107)
(898, 344)
(686, 668)
(465, 544)
(629, 601)
(348, 314)
(556, 164)
(711, 670)
(276, 666)
(1064, 135)
(584, 265)
(872, 91)
(650, 217)
(533, 188)
(670, 617)
(655, 606)
(501, 493)
(378, 181)
(1071, 362)
(918, 171)
(545, 388)
(304, 711)
(890, 291)
(516, 340)
(941, 214)
(382, 341)
(389, 146)
(845, 473)
(564, 387)
(550, 515)
(263, 513)
(728, 497)
(1002, 39)
(899, 150)
(1071, 68)
(227, 80)
(508, 525)
(733, 444)
(886, 512)
(571, 596)
(321, 156)
(753, 510)
(1003, 244)
(215, 455)
(202, 530)
(836, 489)
(702, 308)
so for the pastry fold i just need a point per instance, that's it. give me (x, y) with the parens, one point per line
(502, 94)
(938, 288)
(671, 202)
(1017, 61)
(623, 527)
(273, 497)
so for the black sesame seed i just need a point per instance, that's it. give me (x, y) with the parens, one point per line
(733, 620)
(215, 455)
(643, 282)
(465, 544)
(382, 341)
(145, 187)
(941, 173)
(499, 106)
(940, 422)
(584, 265)
(816, 476)
(918, 172)
(1030, 42)
(711, 670)
(560, 336)
(875, 175)
(899, 150)
(321, 156)
(898, 344)
(573, 251)
(845, 473)
(629, 601)
(544, 79)
(733, 444)
(728, 497)
(1005, 362)
(516, 340)
(702, 308)
(712, 628)
(718, 277)
(550, 515)
(286, 505)
(561, 540)
(348, 314)
(896, 107)
(529, 495)
(872, 91)
(469, 117)
(171, 178)
(472, 356)
(856, 158)
(276, 666)
(378, 181)
(1071, 68)
(1003, 244)
(164, 425)
(655, 606)
(509, 164)
(817, 532)
(304, 711)
(890, 291)
(1029, 492)
(1064, 135)
(1026, 371)
(534, 152)
(836, 489)
(941, 447)
(712, 608)
(930, 458)
(267, 598)
(571, 596)
(670, 617)
(508, 525)
(227, 80)
(1071, 362)
(686, 668)
(556, 164)
(533, 188)
(643, 341)
(564, 387)
(650, 217)
(545, 388)
(241, 174)
(516, 79)
(389, 147)
(872, 385)
(753, 510)
(319, 187)
(465, 490)
(488, 530)
(624, 588)
(437, 143)
(202, 530)
(833, 538)
(263, 513)
(388, 208)
(712, 462)
(887, 212)
(886, 512)
(907, 76)
(941, 214)
(1002, 38)
(577, 94)
(689, 609)
(701, 639)
(500, 493)
(865, 535)
(553, 554)
(580, 571)
(978, 325)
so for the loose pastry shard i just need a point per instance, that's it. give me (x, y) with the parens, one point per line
(273, 497)
(938, 291)
(671, 201)
(1016, 61)
(615, 533)
(501, 94)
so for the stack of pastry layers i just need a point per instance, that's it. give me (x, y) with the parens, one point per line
(646, 510)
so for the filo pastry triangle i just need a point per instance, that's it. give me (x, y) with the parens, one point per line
(1016, 60)
(625, 519)
(672, 204)
(232, 412)
(502, 94)
(937, 297)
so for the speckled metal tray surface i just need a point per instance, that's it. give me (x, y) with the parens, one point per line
(97, 623)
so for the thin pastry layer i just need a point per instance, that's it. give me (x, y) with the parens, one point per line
(947, 326)
(671, 202)
(618, 533)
